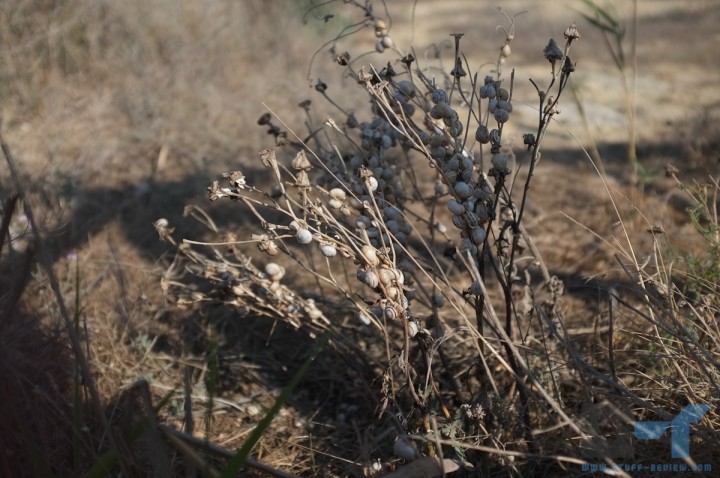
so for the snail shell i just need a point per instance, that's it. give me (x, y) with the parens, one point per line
(304, 236)
(368, 277)
(328, 250)
(274, 271)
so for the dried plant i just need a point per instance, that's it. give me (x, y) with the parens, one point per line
(407, 226)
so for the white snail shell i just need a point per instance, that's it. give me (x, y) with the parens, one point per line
(369, 253)
(328, 250)
(337, 193)
(304, 236)
(274, 271)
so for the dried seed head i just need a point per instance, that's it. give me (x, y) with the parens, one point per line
(264, 119)
(303, 180)
(572, 33)
(301, 162)
(552, 52)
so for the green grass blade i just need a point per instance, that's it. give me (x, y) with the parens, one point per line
(238, 461)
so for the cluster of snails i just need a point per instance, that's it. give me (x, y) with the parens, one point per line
(381, 32)
(379, 273)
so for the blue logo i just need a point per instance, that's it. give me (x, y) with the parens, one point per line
(680, 429)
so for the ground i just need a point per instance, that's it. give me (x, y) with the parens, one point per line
(117, 115)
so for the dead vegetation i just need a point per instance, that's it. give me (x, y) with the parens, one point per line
(533, 354)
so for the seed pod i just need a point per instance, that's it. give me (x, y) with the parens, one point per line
(379, 47)
(328, 250)
(334, 203)
(274, 271)
(501, 116)
(391, 212)
(294, 226)
(369, 254)
(505, 51)
(368, 277)
(478, 235)
(390, 313)
(301, 162)
(303, 180)
(463, 190)
(503, 94)
(455, 207)
(304, 236)
(387, 41)
(438, 300)
(505, 105)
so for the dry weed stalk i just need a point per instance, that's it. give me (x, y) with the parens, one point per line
(360, 207)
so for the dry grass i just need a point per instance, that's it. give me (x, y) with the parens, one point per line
(121, 113)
